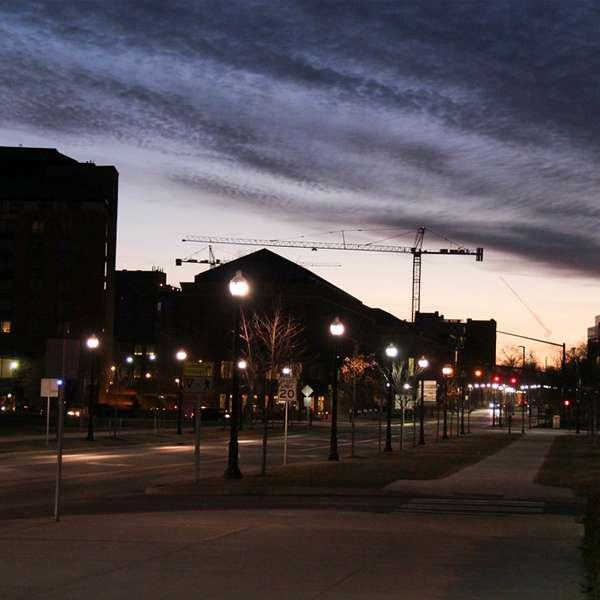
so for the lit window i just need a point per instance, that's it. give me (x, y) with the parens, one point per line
(5, 326)
(37, 227)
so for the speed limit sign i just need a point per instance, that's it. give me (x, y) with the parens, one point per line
(287, 389)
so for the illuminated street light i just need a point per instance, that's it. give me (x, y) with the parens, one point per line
(14, 365)
(92, 343)
(423, 364)
(447, 372)
(239, 289)
(242, 364)
(336, 328)
(391, 352)
(180, 356)
(238, 286)
(129, 359)
(148, 375)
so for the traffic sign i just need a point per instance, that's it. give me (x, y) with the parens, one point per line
(307, 390)
(287, 389)
(49, 388)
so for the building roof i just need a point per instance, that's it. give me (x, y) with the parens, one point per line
(45, 155)
(268, 266)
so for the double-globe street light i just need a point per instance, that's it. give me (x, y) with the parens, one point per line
(337, 331)
(92, 344)
(239, 289)
(391, 352)
(423, 364)
(181, 357)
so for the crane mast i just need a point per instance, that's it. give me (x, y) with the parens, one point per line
(416, 251)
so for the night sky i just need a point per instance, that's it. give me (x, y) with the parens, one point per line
(280, 119)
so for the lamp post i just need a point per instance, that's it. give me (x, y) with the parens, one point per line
(391, 352)
(447, 373)
(238, 288)
(92, 344)
(337, 330)
(423, 364)
(181, 357)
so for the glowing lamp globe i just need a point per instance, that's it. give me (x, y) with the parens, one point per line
(238, 286)
(337, 327)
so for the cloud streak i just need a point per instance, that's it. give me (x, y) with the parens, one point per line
(478, 119)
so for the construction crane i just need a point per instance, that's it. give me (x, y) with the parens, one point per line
(215, 262)
(416, 250)
(211, 260)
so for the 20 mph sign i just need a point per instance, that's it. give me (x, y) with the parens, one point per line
(287, 390)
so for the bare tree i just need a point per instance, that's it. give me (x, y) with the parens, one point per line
(511, 357)
(272, 340)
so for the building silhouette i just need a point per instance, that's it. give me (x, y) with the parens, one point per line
(58, 225)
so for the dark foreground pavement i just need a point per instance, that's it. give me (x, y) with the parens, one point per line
(292, 554)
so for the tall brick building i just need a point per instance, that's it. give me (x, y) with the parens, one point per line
(58, 225)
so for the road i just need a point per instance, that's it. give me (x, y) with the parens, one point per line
(111, 476)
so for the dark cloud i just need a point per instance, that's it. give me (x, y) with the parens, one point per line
(479, 119)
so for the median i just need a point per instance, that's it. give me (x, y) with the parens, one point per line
(365, 475)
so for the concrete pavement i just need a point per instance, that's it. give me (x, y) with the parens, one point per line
(291, 554)
(509, 474)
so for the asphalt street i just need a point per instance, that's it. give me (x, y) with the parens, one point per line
(109, 476)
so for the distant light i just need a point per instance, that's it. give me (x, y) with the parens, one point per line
(181, 355)
(148, 375)
(92, 342)
(286, 370)
(59, 382)
(423, 362)
(14, 364)
(152, 356)
(478, 372)
(113, 368)
(337, 327)
(129, 360)
(406, 386)
(238, 286)
(447, 371)
(242, 364)
(391, 351)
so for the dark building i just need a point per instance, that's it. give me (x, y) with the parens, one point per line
(593, 341)
(143, 348)
(467, 344)
(58, 226)
(203, 317)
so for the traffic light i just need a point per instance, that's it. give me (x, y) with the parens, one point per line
(478, 372)
(567, 403)
(496, 378)
(513, 380)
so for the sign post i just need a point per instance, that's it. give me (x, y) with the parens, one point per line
(59, 453)
(287, 393)
(49, 389)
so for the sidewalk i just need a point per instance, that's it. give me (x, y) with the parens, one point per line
(509, 474)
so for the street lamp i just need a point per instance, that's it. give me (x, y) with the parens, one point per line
(92, 344)
(391, 352)
(447, 372)
(239, 289)
(423, 364)
(337, 330)
(181, 357)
